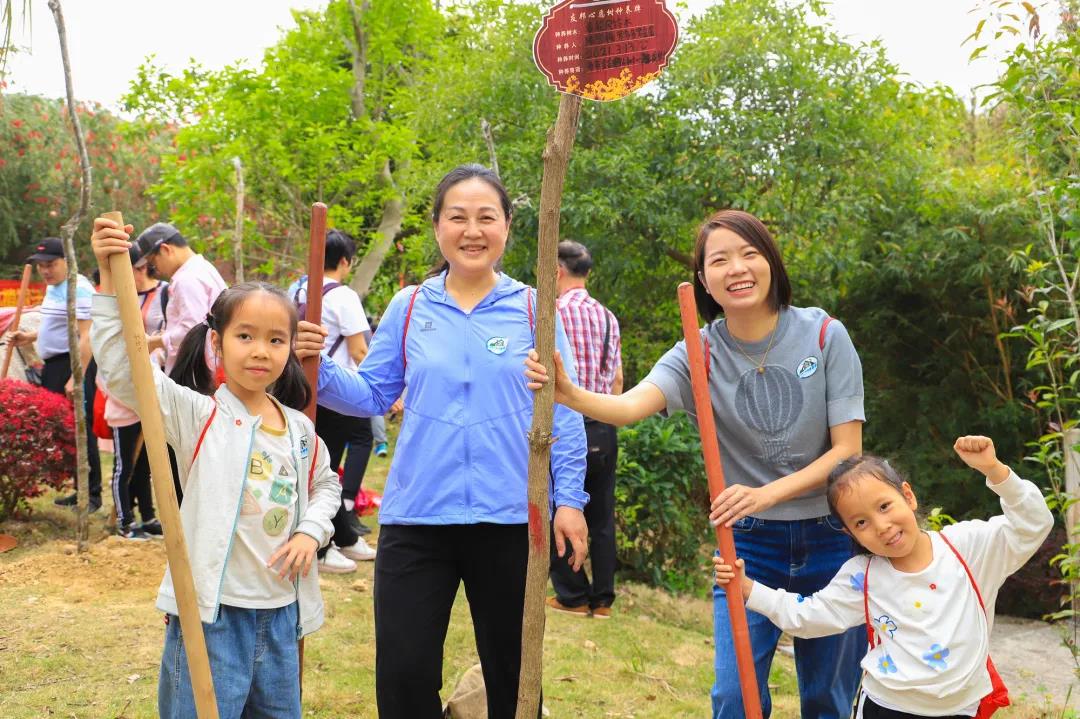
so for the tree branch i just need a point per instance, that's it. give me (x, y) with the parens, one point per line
(67, 232)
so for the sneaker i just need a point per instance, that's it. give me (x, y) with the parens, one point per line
(601, 612)
(152, 527)
(336, 563)
(94, 505)
(69, 501)
(359, 552)
(380, 449)
(554, 603)
(356, 525)
(134, 533)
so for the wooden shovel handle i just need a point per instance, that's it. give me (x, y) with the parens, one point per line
(153, 430)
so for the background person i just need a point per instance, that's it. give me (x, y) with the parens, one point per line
(53, 347)
(593, 331)
(344, 318)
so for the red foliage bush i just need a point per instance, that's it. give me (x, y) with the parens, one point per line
(37, 443)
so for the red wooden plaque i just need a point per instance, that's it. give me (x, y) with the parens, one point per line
(605, 49)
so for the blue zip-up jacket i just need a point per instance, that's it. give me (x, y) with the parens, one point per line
(462, 454)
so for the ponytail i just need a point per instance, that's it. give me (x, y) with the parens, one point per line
(292, 388)
(191, 370)
(437, 270)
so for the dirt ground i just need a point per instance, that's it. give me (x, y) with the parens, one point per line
(80, 637)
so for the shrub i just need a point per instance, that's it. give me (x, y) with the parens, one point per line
(37, 443)
(661, 504)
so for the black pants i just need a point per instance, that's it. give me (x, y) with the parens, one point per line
(339, 431)
(54, 377)
(870, 710)
(573, 589)
(131, 476)
(417, 573)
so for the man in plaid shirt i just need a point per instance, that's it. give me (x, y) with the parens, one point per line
(594, 336)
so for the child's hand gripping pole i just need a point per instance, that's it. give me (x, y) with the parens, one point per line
(23, 287)
(316, 258)
(153, 430)
(714, 470)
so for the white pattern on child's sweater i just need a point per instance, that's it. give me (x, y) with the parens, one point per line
(934, 637)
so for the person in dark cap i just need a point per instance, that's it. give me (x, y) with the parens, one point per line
(51, 342)
(131, 468)
(194, 285)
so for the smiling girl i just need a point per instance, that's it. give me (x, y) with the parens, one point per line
(926, 598)
(258, 492)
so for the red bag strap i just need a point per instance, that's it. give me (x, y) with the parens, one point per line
(311, 469)
(971, 577)
(866, 603)
(821, 333)
(412, 301)
(528, 308)
(202, 436)
(820, 341)
(408, 319)
(150, 297)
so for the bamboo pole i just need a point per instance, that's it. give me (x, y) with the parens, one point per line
(238, 228)
(1070, 440)
(23, 287)
(153, 430)
(714, 470)
(316, 258)
(560, 141)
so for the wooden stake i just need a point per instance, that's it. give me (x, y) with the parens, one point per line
(714, 470)
(1070, 440)
(238, 227)
(316, 258)
(560, 141)
(14, 327)
(153, 430)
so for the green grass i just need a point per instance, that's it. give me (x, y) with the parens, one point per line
(79, 637)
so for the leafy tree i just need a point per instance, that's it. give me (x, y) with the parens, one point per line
(39, 168)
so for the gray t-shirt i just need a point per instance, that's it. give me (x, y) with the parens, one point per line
(773, 423)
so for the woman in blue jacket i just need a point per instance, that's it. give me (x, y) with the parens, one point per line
(455, 506)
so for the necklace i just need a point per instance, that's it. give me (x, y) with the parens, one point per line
(760, 366)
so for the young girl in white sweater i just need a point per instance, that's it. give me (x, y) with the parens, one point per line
(927, 598)
(258, 493)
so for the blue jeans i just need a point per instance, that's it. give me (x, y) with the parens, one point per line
(254, 661)
(797, 556)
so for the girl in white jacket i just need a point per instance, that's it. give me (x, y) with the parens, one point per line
(927, 598)
(258, 493)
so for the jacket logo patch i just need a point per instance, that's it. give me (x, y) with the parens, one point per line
(304, 447)
(807, 367)
(427, 326)
(496, 345)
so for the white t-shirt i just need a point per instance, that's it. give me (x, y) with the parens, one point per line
(342, 316)
(267, 517)
(933, 636)
(52, 332)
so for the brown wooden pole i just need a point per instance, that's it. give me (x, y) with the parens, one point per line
(560, 141)
(24, 286)
(316, 258)
(153, 430)
(714, 470)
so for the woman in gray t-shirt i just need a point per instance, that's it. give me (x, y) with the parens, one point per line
(786, 390)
